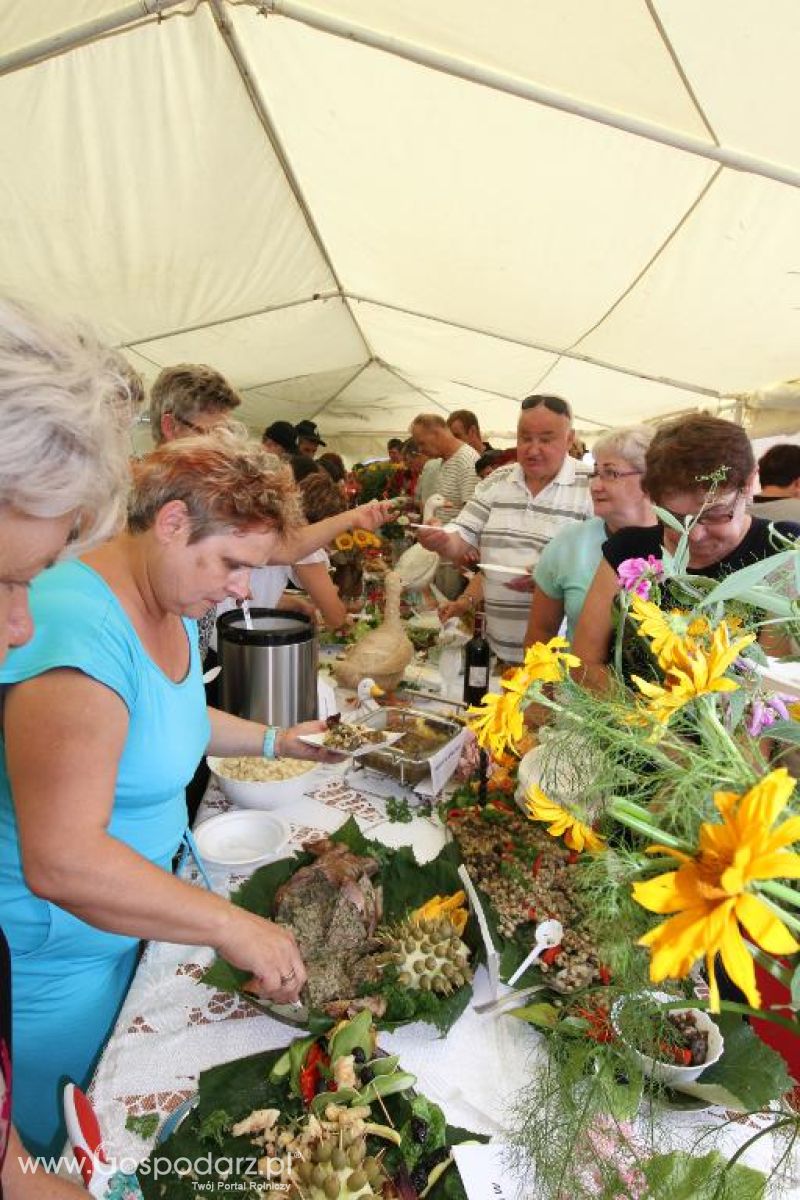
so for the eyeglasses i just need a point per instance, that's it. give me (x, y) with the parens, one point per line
(611, 474)
(708, 518)
(553, 403)
(191, 425)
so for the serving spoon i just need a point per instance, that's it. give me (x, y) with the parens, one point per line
(548, 934)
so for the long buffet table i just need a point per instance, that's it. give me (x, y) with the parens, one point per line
(172, 1026)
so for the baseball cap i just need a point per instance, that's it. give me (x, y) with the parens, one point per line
(283, 433)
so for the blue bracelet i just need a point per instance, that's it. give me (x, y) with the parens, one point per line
(270, 736)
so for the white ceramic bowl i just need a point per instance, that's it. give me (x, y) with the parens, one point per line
(242, 840)
(269, 794)
(671, 1074)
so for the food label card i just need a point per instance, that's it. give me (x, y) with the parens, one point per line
(483, 1172)
(443, 764)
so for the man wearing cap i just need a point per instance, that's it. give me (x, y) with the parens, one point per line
(280, 438)
(308, 438)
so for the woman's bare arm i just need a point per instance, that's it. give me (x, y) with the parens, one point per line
(593, 633)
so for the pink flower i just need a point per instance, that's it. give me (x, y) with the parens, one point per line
(637, 575)
(764, 713)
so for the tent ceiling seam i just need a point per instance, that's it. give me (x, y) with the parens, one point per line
(257, 312)
(638, 277)
(415, 387)
(699, 389)
(259, 104)
(267, 383)
(676, 62)
(342, 388)
(473, 387)
(524, 89)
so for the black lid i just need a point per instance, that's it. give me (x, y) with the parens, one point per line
(271, 627)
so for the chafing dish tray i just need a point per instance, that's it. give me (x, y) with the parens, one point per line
(407, 759)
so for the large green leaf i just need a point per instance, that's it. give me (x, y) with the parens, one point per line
(682, 1176)
(749, 1069)
(734, 585)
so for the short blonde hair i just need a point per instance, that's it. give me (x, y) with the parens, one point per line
(189, 390)
(227, 483)
(67, 404)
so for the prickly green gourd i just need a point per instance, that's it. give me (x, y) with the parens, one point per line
(336, 1169)
(429, 955)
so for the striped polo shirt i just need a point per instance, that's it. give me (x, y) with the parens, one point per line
(509, 527)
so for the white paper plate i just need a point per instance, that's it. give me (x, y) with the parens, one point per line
(516, 572)
(318, 739)
(244, 838)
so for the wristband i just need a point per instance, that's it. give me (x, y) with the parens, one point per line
(270, 736)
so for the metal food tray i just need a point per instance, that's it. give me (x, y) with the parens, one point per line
(394, 760)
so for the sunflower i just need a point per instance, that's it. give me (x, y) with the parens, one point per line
(576, 833)
(497, 722)
(344, 542)
(693, 672)
(712, 894)
(363, 538)
(667, 632)
(549, 662)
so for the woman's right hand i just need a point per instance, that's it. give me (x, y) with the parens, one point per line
(268, 951)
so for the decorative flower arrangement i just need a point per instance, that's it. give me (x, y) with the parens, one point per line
(348, 555)
(685, 831)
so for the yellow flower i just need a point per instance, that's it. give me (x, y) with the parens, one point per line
(711, 894)
(453, 907)
(693, 672)
(666, 631)
(577, 835)
(497, 722)
(549, 661)
(794, 712)
(362, 538)
(344, 542)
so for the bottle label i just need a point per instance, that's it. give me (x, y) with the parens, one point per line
(478, 677)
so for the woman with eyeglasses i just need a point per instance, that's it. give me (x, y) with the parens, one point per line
(698, 466)
(568, 563)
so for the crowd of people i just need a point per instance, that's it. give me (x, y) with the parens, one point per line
(112, 572)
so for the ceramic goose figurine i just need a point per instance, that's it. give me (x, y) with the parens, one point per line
(383, 654)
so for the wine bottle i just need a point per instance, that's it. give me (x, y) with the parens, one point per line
(477, 659)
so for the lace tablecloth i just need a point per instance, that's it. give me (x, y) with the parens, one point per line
(172, 1027)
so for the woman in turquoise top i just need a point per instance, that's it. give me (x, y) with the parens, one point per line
(104, 723)
(66, 406)
(568, 563)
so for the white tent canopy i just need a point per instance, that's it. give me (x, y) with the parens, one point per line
(362, 209)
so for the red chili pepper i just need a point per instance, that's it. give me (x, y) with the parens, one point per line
(455, 813)
(531, 914)
(604, 973)
(573, 857)
(549, 956)
(501, 804)
(311, 1072)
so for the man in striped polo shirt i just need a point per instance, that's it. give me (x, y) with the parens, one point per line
(455, 480)
(514, 514)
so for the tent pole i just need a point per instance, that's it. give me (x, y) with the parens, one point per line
(524, 89)
(237, 53)
(81, 35)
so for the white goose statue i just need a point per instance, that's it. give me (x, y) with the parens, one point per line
(417, 566)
